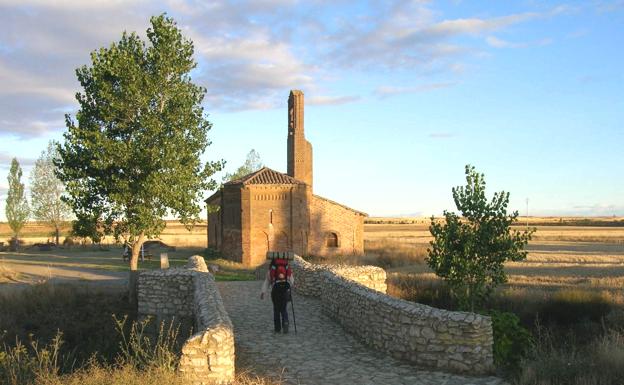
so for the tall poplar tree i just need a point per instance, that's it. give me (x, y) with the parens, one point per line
(46, 191)
(133, 156)
(16, 209)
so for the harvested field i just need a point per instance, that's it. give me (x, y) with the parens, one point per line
(175, 234)
(592, 257)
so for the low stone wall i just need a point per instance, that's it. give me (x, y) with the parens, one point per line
(166, 294)
(308, 276)
(372, 277)
(429, 337)
(439, 339)
(208, 355)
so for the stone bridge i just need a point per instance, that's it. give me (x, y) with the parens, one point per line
(335, 343)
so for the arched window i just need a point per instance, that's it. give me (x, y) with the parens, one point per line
(332, 240)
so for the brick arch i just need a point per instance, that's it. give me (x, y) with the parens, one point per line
(332, 239)
(280, 242)
(267, 243)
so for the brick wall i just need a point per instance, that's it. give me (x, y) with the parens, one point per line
(328, 217)
(278, 219)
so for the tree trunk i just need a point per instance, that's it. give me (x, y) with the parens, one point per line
(56, 228)
(15, 241)
(133, 281)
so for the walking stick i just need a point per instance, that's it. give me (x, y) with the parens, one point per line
(292, 305)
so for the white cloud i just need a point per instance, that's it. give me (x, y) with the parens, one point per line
(15, 81)
(70, 4)
(244, 73)
(385, 91)
(476, 26)
(331, 100)
(499, 43)
(408, 36)
(609, 6)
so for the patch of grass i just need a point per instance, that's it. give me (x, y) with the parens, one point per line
(83, 313)
(390, 253)
(7, 274)
(384, 253)
(228, 270)
(234, 276)
(566, 362)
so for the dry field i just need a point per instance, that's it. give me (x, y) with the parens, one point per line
(175, 234)
(559, 255)
(568, 293)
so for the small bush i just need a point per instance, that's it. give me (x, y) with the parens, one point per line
(16, 244)
(212, 253)
(512, 342)
(69, 241)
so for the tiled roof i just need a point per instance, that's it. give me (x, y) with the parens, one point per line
(341, 205)
(265, 176)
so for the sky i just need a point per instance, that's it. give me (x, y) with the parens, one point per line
(400, 95)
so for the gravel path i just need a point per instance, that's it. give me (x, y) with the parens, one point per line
(321, 352)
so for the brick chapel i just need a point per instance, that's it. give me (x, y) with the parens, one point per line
(271, 211)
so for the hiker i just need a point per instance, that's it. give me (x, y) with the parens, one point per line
(280, 279)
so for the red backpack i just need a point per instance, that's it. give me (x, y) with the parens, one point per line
(279, 265)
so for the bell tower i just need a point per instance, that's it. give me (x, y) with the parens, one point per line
(299, 149)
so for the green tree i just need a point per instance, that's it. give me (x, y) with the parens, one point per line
(133, 157)
(252, 163)
(16, 209)
(469, 252)
(89, 225)
(46, 191)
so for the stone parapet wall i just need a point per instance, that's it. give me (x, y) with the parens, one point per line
(372, 277)
(196, 262)
(308, 276)
(208, 355)
(165, 294)
(429, 337)
(439, 339)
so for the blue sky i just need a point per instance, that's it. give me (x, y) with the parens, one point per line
(399, 95)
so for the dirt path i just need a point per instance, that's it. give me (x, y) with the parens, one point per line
(24, 274)
(321, 352)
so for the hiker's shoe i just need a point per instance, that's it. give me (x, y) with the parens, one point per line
(285, 328)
